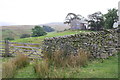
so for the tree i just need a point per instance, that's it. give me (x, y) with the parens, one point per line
(110, 18)
(75, 21)
(48, 29)
(72, 16)
(25, 35)
(96, 21)
(38, 31)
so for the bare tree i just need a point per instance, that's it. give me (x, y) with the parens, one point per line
(72, 16)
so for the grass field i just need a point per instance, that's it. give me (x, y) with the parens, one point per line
(51, 34)
(95, 69)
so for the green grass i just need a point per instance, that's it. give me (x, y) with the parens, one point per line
(27, 72)
(51, 34)
(95, 69)
(6, 59)
(0, 68)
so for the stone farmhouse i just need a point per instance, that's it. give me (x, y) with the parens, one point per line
(78, 24)
(76, 21)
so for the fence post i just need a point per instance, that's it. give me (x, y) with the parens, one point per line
(6, 48)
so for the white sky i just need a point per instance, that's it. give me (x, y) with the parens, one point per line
(45, 11)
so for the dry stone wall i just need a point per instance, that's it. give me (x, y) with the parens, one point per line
(100, 44)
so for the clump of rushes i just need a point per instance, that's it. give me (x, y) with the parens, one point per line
(55, 59)
(81, 58)
(21, 60)
(59, 60)
(9, 68)
(41, 68)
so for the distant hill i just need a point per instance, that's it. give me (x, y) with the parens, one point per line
(16, 31)
(58, 26)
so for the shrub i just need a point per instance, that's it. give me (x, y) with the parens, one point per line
(8, 69)
(25, 35)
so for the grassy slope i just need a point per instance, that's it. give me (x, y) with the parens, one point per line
(15, 31)
(95, 69)
(51, 34)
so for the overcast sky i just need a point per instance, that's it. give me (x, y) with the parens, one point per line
(24, 12)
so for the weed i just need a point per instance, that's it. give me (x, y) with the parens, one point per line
(58, 59)
(21, 60)
(41, 68)
(8, 69)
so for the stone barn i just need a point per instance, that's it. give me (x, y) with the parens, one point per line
(78, 24)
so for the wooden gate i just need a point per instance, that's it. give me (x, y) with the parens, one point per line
(7, 48)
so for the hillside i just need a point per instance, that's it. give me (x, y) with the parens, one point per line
(16, 31)
(58, 26)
